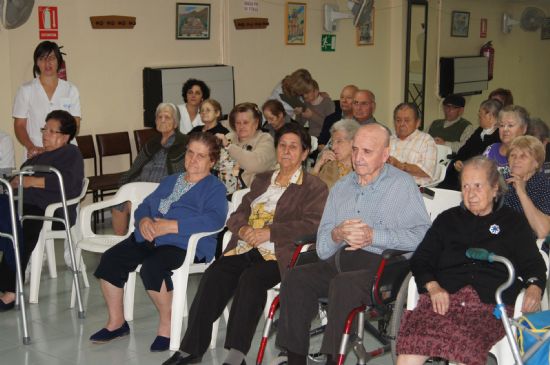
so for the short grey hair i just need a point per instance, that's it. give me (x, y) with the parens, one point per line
(491, 106)
(172, 109)
(349, 126)
(520, 113)
(494, 177)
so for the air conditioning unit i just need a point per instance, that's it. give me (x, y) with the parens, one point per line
(463, 75)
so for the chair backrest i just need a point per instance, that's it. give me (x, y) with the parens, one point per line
(443, 154)
(141, 136)
(87, 148)
(112, 144)
(237, 198)
(135, 193)
(442, 200)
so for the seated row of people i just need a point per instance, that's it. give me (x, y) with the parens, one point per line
(283, 205)
(341, 234)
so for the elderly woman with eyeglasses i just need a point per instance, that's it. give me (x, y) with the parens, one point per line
(39, 191)
(336, 162)
(247, 149)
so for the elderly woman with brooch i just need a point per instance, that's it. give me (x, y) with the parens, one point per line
(454, 314)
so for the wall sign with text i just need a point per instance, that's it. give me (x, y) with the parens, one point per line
(47, 22)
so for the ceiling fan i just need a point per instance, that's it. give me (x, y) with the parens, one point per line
(14, 13)
(360, 11)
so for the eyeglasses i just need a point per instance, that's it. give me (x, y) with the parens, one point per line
(361, 103)
(44, 130)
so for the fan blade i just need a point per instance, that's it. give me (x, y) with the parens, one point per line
(15, 12)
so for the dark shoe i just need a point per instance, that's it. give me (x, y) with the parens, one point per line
(6, 306)
(160, 344)
(179, 359)
(104, 335)
(242, 363)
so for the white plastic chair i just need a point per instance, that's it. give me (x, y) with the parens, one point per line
(46, 240)
(443, 160)
(442, 200)
(180, 278)
(89, 241)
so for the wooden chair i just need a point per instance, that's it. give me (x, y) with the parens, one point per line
(142, 136)
(111, 144)
(98, 183)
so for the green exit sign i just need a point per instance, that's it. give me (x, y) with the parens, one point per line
(328, 42)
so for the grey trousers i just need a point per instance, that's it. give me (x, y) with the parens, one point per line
(345, 278)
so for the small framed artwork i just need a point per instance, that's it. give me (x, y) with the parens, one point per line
(192, 21)
(460, 23)
(295, 23)
(365, 31)
(545, 29)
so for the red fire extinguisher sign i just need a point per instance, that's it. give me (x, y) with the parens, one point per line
(47, 22)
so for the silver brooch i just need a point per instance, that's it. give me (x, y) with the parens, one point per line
(494, 229)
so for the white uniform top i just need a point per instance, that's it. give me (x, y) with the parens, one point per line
(186, 124)
(32, 103)
(7, 157)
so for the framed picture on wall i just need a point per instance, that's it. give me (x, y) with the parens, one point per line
(192, 21)
(545, 29)
(460, 23)
(365, 32)
(295, 23)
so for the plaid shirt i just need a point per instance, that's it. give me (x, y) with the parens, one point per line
(417, 149)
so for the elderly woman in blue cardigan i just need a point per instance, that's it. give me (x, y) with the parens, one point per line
(183, 204)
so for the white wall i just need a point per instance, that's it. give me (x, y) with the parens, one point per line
(520, 57)
(106, 65)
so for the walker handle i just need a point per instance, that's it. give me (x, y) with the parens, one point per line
(479, 254)
(38, 168)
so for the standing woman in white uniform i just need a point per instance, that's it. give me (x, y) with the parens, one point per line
(193, 92)
(36, 98)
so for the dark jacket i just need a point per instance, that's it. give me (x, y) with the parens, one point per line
(174, 158)
(474, 146)
(68, 160)
(297, 214)
(441, 254)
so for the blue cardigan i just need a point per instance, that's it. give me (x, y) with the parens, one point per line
(202, 209)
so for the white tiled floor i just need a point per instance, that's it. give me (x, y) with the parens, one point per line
(59, 337)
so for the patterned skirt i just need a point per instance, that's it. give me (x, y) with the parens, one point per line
(465, 334)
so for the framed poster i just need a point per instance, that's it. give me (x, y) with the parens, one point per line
(365, 32)
(460, 23)
(192, 21)
(295, 23)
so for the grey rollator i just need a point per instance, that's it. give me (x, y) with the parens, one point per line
(19, 295)
(29, 171)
